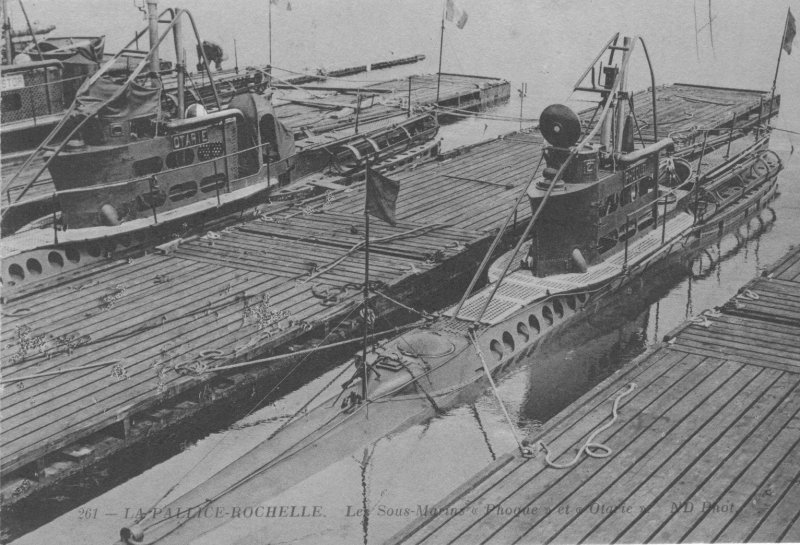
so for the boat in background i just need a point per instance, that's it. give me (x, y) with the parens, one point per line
(40, 82)
(606, 213)
(130, 160)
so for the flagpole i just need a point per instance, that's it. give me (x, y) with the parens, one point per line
(777, 66)
(441, 47)
(269, 19)
(366, 279)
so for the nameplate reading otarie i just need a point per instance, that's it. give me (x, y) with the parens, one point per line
(189, 139)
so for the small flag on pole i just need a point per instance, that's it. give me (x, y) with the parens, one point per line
(455, 14)
(278, 3)
(381, 196)
(789, 32)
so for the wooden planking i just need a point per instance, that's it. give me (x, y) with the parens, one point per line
(437, 193)
(200, 308)
(676, 480)
(714, 422)
(789, 269)
(682, 107)
(640, 470)
(659, 418)
(556, 434)
(307, 116)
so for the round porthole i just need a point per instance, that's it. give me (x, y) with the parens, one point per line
(497, 349)
(33, 266)
(559, 308)
(547, 314)
(94, 250)
(16, 272)
(55, 260)
(523, 331)
(533, 321)
(508, 341)
(72, 254)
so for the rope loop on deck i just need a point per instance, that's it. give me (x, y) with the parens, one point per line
(18, 312)
(748, 295)
(592, 448)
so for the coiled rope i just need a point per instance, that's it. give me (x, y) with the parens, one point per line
(592, 448)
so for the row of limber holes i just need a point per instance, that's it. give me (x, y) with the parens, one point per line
(57, 259)
(506, 345)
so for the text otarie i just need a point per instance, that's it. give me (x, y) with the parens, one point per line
(188, 139)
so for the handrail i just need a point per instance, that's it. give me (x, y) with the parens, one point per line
(652, 87)
(181, 124)
(132, 181)
(32, 66)
(647, 150)
(54, 82)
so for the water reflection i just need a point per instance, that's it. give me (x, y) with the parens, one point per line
(567, 365)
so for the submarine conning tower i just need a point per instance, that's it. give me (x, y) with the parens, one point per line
(601, 199)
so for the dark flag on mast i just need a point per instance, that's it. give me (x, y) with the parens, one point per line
(381, 196)
(789, 32)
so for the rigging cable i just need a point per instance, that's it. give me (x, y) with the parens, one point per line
(143, 515)
(524, 450)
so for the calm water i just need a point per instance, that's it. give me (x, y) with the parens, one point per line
(546, 45)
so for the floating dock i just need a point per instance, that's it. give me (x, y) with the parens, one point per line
(106, 355)
(683, 106)
(22, 135)
(706, 447)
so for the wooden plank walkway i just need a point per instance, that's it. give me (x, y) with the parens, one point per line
(682, 107)
(232, 295)
(706, 447)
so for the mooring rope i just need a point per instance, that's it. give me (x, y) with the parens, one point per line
(11, 380)
(401, 305)
(590, 447)
(524, 450)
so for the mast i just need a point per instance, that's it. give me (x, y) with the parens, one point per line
(9, 53)
(778, 65)
(441, 46)
(33, 35)
(366, 281)
(180, 65)
(152, 25)
(269, 31)
(627, 45)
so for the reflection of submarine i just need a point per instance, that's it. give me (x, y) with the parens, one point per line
(569, 364)
(614, 331)
(598, 342)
